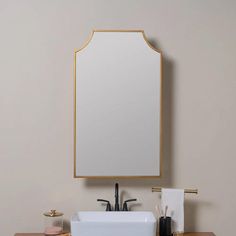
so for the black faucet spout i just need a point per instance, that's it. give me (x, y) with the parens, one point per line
(117, 197)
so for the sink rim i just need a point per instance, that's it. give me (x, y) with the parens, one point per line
(106, 217)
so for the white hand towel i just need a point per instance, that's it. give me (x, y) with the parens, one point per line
(174, 199)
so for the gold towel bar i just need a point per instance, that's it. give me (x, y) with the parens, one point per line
(158, 189)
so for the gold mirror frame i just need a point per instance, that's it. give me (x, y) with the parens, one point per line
(161, 118)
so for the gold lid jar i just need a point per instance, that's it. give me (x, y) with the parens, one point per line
(53, 222)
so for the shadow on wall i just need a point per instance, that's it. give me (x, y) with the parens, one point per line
(167, 129)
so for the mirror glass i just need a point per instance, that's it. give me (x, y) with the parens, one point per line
(117, 106)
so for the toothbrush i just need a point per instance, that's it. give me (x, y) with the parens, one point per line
(158, 210)
(162, 212)
(166, 208)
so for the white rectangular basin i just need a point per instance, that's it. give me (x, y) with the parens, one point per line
(95, 223)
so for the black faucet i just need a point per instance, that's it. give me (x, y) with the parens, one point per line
(116, 208)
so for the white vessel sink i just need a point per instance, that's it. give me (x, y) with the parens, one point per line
(95, 223)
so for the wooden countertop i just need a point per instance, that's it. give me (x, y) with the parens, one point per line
(199, 234)
(185, 234)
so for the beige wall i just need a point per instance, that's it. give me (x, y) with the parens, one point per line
(37, 40)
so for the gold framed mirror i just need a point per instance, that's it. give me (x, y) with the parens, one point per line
(118, 111)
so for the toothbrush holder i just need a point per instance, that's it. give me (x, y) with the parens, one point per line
(165, 226)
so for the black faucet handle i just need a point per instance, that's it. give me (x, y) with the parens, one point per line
(125, 206)
(108, 208)
(117, 208)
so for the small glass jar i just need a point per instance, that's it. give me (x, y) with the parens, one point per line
(53, 222)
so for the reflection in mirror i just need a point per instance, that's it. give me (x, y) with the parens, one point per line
(117, 106)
